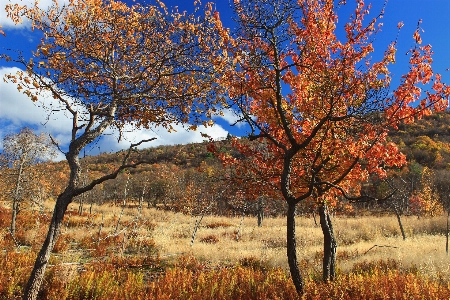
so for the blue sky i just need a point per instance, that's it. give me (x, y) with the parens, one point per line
(17, 111)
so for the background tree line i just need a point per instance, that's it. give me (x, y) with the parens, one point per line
(187, 178)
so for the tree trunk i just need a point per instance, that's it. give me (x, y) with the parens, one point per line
(292, 250)
(194, 232)
(446, 233)
(15, 209)
(37, 274)
(64, 199)
(80, 206)
(400, 222)
(314, 218)
(260, 212)
(141, 200)
(16, 200)
(238, 234)
(125, 192)
(329, 245)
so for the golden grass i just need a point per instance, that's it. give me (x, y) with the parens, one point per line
(111, 232)
(369, 238)
(423, 249)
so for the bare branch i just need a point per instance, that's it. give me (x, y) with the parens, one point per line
(56, 144)
(359, 199)
(113, 175)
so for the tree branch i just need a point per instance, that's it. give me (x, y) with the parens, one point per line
(359, 199)
(113, 175)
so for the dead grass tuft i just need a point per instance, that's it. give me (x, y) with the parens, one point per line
(218, 224)
(210, 239)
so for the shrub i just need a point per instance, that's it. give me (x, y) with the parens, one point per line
(253, 263)
(210, 239)
(62, 244)
(218, 224)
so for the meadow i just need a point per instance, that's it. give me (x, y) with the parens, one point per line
(111, 252)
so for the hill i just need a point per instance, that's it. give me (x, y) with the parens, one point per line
(426, 141)
(189, 179)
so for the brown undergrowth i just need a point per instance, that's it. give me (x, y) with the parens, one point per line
(115, 254)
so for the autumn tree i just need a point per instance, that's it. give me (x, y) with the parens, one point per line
(403, 182)
(426, 202)
(320, 104)
(20, 152)
(399, 201)
(109, 65)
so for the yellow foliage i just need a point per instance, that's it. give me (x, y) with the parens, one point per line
(426, 202)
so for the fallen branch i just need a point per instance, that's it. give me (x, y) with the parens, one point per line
(386, 246)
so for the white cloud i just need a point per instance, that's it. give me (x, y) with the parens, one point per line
(17, 111)
(7, 23)
(109, 141)
(231, 116)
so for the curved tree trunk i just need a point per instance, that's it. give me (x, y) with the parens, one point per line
(292, 251)
(37, 274)
(64, 199)
(329, 245)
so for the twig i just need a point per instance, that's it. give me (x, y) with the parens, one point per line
(386, 246)
(198, 221)
(100, 230)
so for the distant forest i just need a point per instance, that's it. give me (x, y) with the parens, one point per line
(189, 179)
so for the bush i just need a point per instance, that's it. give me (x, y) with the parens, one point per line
(210, 239)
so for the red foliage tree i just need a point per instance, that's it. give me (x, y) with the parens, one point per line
(318, 106)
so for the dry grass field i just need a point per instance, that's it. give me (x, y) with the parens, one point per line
(359, 239)
(155, 246)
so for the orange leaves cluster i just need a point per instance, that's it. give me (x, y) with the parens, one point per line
(408, 101)
(417, 37)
